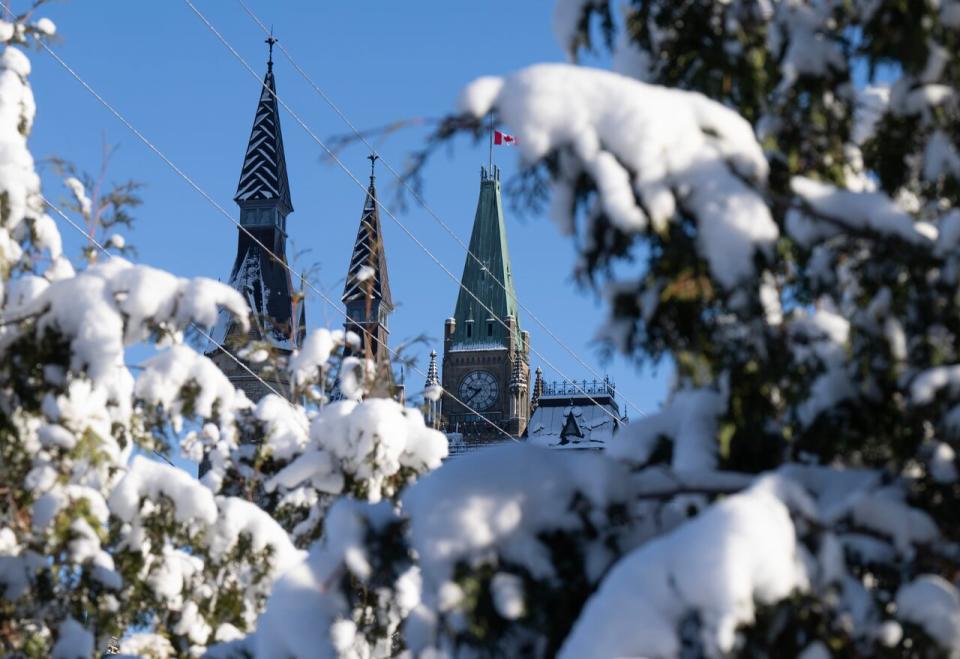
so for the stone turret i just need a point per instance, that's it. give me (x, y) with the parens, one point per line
(537, 390)
(431, 393)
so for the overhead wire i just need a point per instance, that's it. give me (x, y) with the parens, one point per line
(196, 326)
(239, 226)
(386, 210)
(421, 201)
(104, 250)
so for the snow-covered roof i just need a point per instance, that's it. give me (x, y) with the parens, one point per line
(574, 417)
(487, 345)
(458, 445)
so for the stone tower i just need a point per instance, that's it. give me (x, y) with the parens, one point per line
(485, 353)
(263, 195)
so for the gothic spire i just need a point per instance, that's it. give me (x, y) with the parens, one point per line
(263, 195)
(537, 390)
(367, 275)
(487, 281)
(264, 173)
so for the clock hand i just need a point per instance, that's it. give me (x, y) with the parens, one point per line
(475, 392)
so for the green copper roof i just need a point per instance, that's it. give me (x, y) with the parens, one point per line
(490, 280)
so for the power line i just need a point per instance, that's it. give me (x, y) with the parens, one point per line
(386, 210)
(420, 199)
(195, 325)
(240, 227)
(104, 250)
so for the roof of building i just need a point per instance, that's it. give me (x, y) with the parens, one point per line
(487, 275)
(457, 445)
(574, 416)
(367, 275)
(264, 172)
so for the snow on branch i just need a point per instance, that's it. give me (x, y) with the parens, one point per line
(649, 151)
(741, 550)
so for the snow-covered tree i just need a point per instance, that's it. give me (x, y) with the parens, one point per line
(766, 194)
(101, 545)
(780, 178)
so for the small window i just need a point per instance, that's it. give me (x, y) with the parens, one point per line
(489, 328)
(469, 330)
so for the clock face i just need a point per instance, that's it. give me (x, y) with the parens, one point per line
(478, 390)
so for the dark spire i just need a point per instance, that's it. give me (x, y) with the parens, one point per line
(264, 173)
(263, 195)
(366, 291)
(367, 275)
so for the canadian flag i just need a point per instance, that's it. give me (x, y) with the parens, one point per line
(503, 138)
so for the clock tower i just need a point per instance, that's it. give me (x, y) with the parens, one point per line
(485, 353)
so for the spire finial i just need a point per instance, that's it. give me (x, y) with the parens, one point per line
(373, 158)
(270, 41)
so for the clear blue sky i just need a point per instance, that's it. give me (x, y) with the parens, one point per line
(380, 61)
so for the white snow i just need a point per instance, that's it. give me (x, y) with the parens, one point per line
(567, 16)
(310, 362)
(934, 604)
(238, 517)
(808, 49)
(74, 641)
(497, 502)
(164, 377)
(943, 463)
(689, 420)
(822, 337)
(753, 557)
(145, 644)
(79, 193)
(835, 210)
(305, 616)
(147, 481)
(927, 384)
(940, 158)
(668, 147)
(507, 590)
(46, 26)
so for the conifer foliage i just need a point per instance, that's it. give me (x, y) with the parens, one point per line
(765, 193)
(781, 177)
(101, 546)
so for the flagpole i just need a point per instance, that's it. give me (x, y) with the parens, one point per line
(490, 161)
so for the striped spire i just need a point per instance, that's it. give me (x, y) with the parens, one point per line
(367, 275)
(264, 173)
